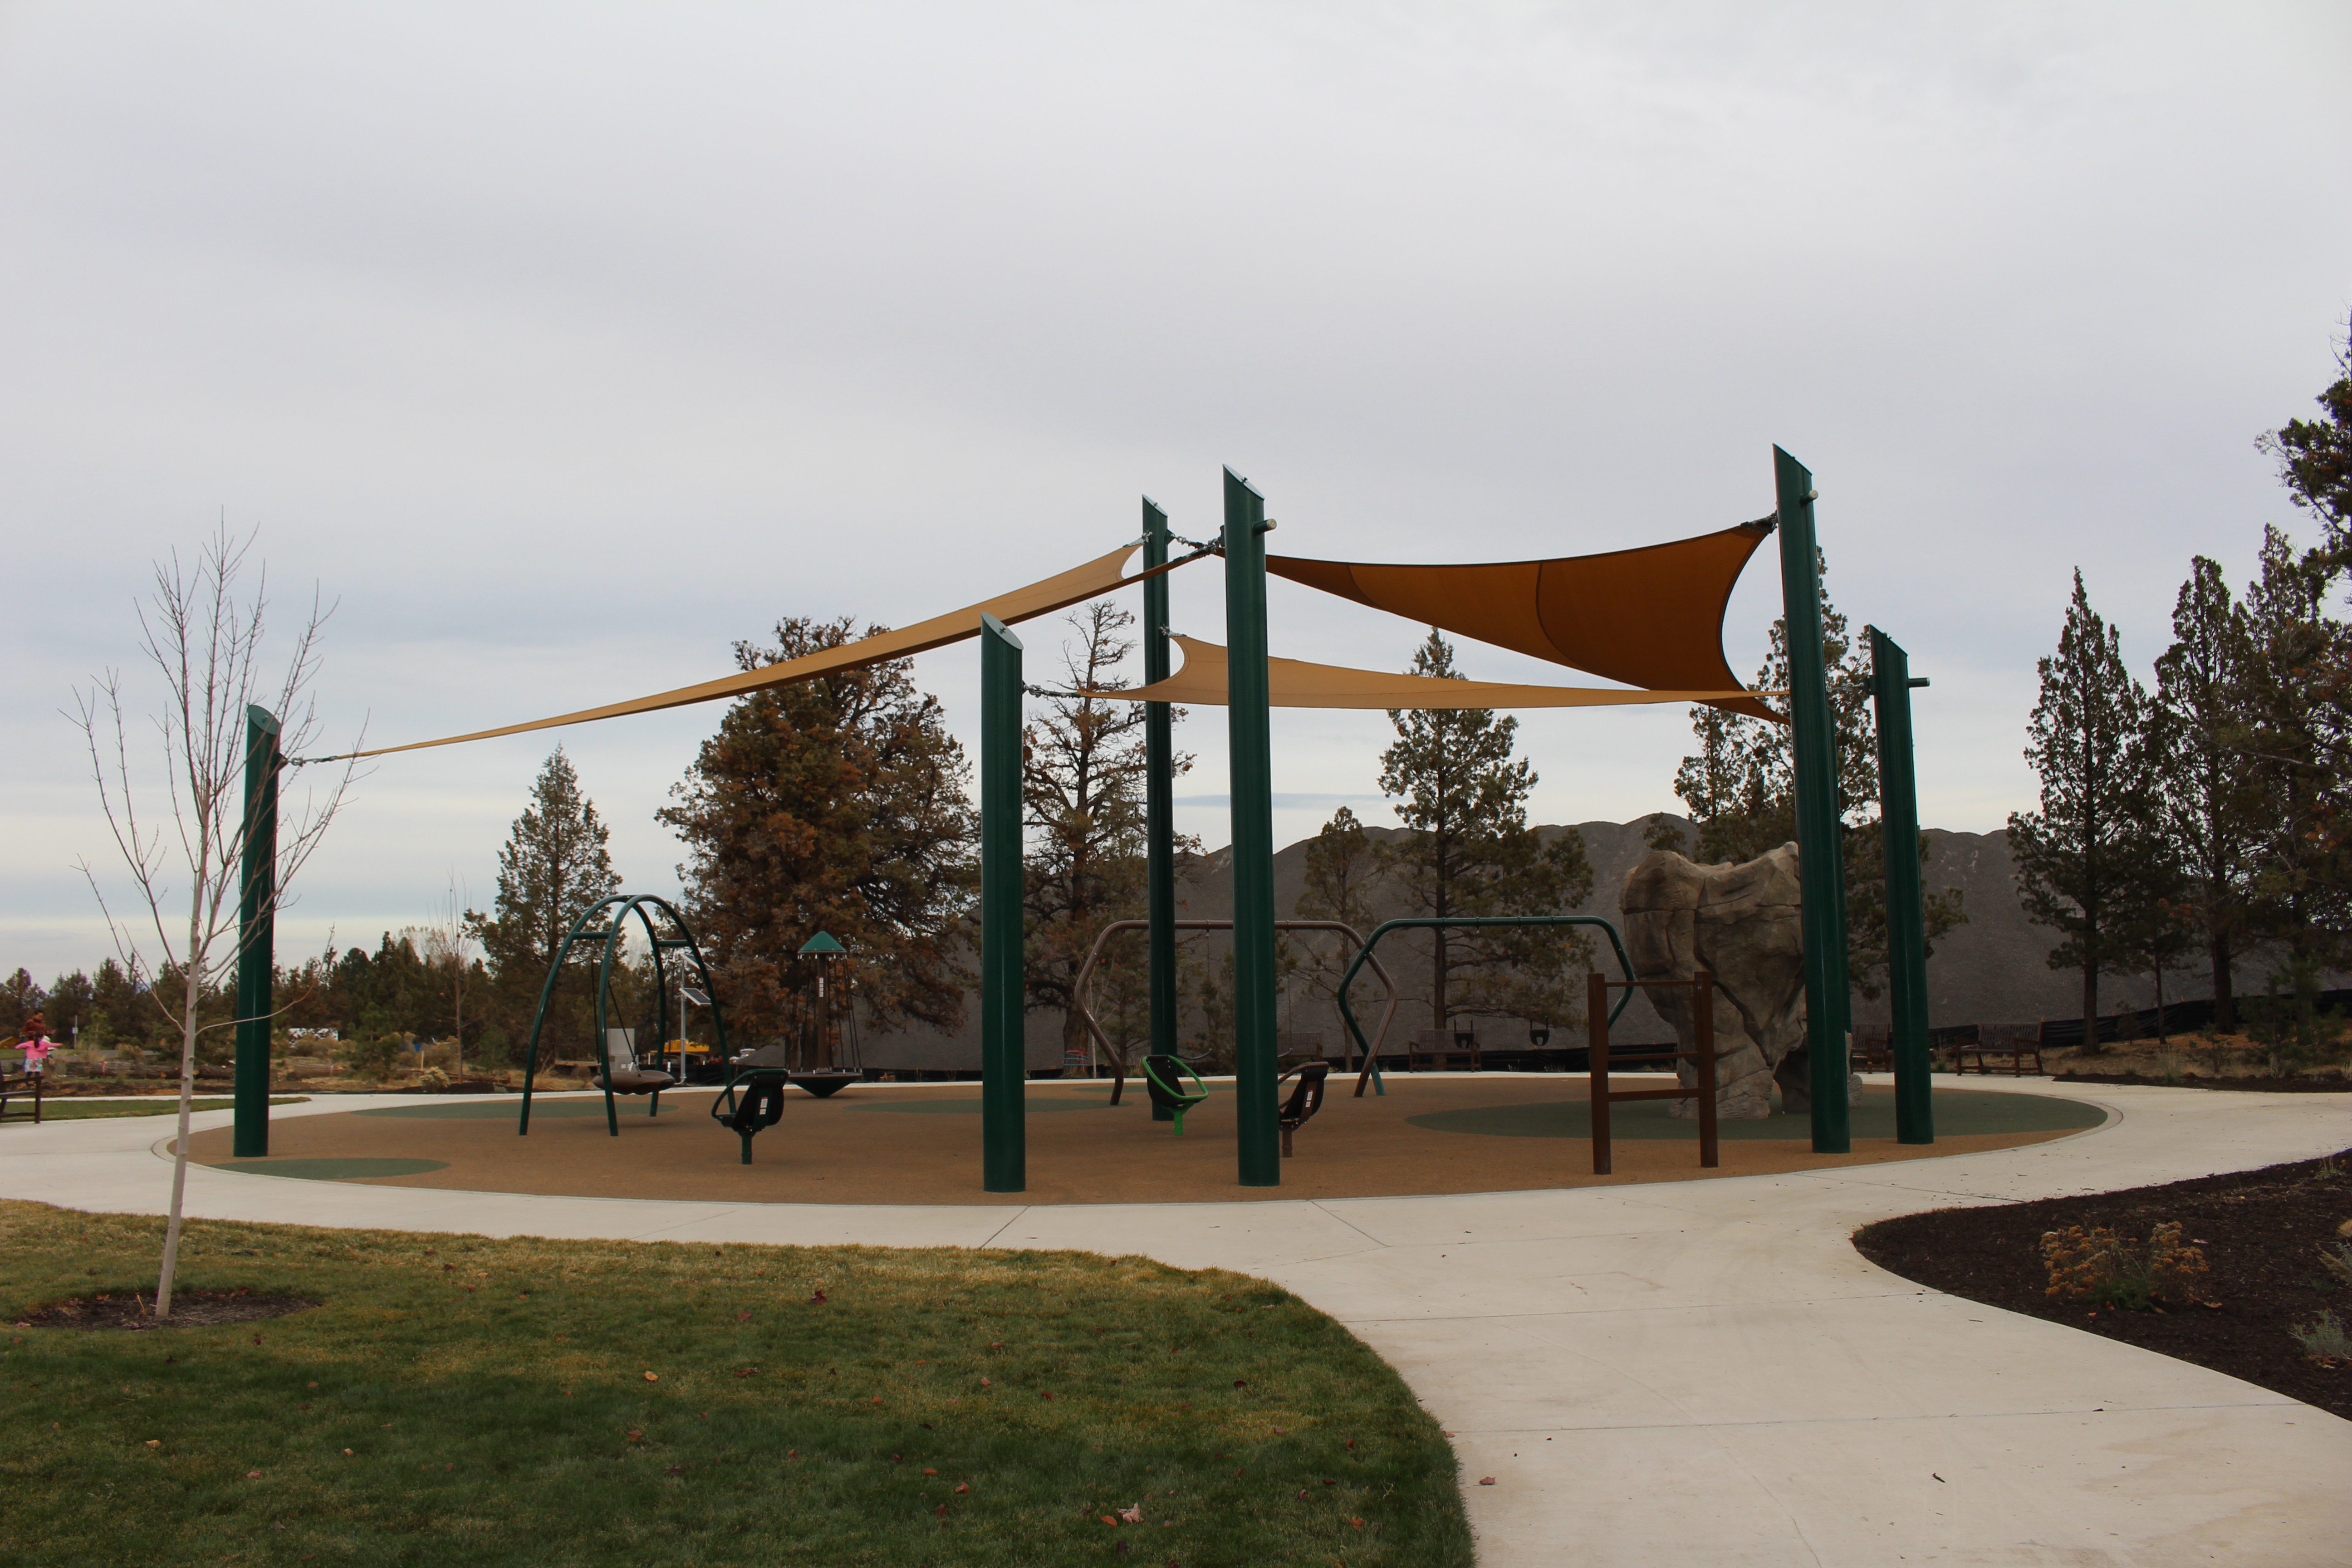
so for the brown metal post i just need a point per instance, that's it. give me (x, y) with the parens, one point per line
(1703, 1017)
(1596, 1014)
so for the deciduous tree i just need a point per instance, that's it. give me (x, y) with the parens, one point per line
(209, 644)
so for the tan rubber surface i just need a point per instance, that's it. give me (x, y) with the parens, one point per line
(921, 1144)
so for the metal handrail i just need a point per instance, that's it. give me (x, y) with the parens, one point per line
(1371, 1070)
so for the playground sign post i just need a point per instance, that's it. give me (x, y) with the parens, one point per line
(1255, 1113)
(1820, 854)
(1907, 918)
(257, 933)
(1003, 1058)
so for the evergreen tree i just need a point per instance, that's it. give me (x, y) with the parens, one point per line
(554, 865)
(2207, 799)
(833, 804)
(1740, 788)
(2082, 858)
(2316, 455)
(1467, 850)
(2290, 700)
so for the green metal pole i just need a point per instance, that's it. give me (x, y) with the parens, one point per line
(1907, 914)
(1256, 1116)
(1822, 860)
(1159, 792)
(1003, 1055)
(257, 933)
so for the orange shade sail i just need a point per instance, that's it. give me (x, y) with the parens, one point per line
(1100, 575)
(1295, 683)
(1650, 617)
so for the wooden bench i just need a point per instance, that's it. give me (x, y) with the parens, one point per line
(2013, 1042)
(20, 1086)
(1441, 1049)
(1873, 1049)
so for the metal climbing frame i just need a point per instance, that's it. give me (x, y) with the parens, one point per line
(622, 906)
(1372, 1069)
(1118, 1066)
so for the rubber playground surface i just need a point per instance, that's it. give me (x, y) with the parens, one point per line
(919, 1143)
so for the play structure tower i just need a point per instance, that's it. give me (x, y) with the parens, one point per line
(824, 1049)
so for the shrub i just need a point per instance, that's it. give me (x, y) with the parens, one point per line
(2323, 1339)
(2108, 1270)
(432, 1080)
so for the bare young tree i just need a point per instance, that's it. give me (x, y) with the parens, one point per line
(184, 811)
(447, 949)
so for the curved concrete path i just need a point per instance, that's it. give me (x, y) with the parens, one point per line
(1683, 1372)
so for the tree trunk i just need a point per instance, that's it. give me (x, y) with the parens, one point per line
(192, 993)
(2091, 1008)
(2225, 1002)
(1437, 979)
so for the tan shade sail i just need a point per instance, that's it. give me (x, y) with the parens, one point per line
(1295, 683)
(1097, 576)
(1650, 617)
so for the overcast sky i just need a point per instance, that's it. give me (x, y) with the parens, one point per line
(565, 345)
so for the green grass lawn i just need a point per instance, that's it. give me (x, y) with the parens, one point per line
(457, 1400)
(64, 1110)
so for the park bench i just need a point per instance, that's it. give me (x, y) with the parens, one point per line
(19, 1086)
(1441, 1049)
(1874, 1048)
(2013, 1042)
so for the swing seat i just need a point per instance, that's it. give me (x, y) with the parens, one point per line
(754, 1095)
(1165, 1076)
(1306, 1099)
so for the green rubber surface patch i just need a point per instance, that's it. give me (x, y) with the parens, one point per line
(972, 1107)
(353, 1170)
(508, 1108)
(1959, 1113)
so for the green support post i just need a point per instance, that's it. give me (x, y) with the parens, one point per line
(1906, 915)
(1247, 702)
(257, 933)
(1158, 792)
(1821, 854)
(1003, 1054)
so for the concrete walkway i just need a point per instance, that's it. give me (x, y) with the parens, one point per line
(1678, 1373)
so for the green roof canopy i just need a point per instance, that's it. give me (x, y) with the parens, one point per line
(823, 945)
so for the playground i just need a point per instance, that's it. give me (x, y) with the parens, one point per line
(1639, 1330)
(915, 1143)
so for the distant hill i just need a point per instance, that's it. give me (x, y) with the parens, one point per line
(1991, 969)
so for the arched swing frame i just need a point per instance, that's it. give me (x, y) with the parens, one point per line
(611, 932)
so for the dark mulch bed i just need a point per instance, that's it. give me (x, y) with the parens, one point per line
(2191, 1080)
(2260, 1232)
(190, 1309)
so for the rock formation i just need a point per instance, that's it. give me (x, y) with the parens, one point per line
(1744, 923)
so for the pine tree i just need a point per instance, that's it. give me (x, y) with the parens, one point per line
(1467, 850)
(2082, 858)
(2290, 699)
(1082, 786)
(833, 804)
(2316, 455)
(1740, 788)
(553, 866)
(2208, 799)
